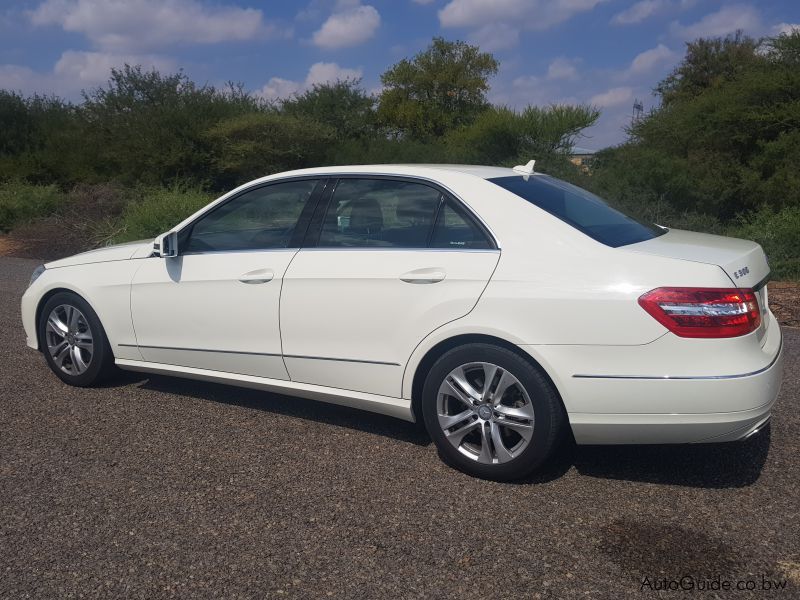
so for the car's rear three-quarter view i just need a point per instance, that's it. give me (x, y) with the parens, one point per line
(505, 309)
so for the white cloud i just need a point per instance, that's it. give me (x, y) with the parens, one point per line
(726, 20)
(786, 28)
(638, 12)
(613, 97)
(278, 88)
(562, 68)
(515, 15)
(351, 26)
(646, 61)
(495, 36)
(133, 25)
(75, 71)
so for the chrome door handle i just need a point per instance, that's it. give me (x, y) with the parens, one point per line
(423, 276)
(258, 276)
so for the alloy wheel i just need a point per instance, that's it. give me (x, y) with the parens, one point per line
(485, 412)
(69, 339)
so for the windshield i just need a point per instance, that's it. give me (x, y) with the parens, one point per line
(581, 209)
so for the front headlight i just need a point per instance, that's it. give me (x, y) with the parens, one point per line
(35, 275)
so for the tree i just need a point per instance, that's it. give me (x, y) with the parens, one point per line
(342, 105)
(441, 88)
(504, 136)
(259, 143)
(708, 63)
(149, 127)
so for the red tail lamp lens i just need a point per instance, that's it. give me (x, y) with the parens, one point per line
(704, 312)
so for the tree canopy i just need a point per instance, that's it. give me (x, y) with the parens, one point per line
(439, 89)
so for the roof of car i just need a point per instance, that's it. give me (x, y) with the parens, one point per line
(485, 172)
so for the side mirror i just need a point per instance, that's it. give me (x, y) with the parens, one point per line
(166, 245)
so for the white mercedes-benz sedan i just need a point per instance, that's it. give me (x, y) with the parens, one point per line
(502, 307)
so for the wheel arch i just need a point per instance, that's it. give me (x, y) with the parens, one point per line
(440, 348)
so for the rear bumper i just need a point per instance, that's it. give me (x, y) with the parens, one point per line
(673, 409)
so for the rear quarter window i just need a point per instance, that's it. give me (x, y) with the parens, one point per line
(581, 209)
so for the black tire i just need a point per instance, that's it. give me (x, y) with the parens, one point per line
(548, 424)
(101, 362)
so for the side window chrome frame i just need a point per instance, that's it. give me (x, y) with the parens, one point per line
(323, 203)
(295, 241)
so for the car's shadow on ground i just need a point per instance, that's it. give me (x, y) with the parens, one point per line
(723, 465)
(729, 465)
(311, 410)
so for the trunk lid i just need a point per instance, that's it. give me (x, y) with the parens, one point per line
(742, 260)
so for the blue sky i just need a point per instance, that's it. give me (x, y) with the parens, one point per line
(603, 52)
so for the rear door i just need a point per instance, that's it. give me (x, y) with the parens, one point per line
(389, 261)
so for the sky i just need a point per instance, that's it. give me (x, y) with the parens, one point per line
(603, 52)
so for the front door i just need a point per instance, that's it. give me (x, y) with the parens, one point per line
(215, 306)
(394, 260)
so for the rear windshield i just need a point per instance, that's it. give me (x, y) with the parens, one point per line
(581, 209)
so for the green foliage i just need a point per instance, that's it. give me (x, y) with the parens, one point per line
(440, 88)
(343, 106)
(708, 63)
(150, 128)
(159, 209)
(501, 136)
(779, 235)
(22, 202)
(257, 144)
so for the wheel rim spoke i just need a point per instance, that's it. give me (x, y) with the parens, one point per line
(57, 326)
(485, 455)
(525, 430)
(77, 360)
(460, 378)
(448, 421)
(457, 435)
(506, 381)
(458, 394)
(74, 316)
(500, 451)
(524, 412)
(489, 372)
(60, 356)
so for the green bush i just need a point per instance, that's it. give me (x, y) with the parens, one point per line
(22, 202)
(157, 210)
(779, 235)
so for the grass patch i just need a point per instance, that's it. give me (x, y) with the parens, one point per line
(22, 203)
(157, 210)
(779, 235)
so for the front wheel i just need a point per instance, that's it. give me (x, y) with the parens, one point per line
(490, 412)
(73, 341)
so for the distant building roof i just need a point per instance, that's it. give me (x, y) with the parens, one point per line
(578, 151)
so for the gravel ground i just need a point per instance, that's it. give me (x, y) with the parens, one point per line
(156, 487)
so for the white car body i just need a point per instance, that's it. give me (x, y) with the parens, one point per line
(353, 326)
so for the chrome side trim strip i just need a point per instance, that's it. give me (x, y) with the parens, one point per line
(198, 350)
(687, 377)
(352, 360)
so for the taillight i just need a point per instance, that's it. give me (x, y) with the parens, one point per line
(703, 312)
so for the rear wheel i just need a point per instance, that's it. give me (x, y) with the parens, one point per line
(490, 412)
(73, 341)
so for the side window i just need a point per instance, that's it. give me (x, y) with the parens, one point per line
(259, 219)
(456, 230)
(379, 213)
